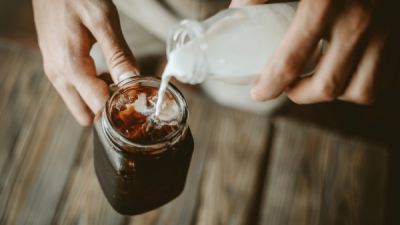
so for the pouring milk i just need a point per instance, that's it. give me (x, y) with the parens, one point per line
(233, 46)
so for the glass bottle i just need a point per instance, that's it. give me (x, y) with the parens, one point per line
(139, 177)
(232, 46)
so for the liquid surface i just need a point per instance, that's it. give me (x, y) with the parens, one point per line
(133, 114)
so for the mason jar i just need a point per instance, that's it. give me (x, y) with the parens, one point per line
(135, 176)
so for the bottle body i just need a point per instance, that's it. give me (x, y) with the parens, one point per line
(137, 177)
(233, 46)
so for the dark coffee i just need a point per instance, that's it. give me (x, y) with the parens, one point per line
(147, 181)
(140, 164)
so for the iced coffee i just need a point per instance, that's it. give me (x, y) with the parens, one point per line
(142, 160)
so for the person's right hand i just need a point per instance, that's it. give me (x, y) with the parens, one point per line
(67, 31)
(361, 62)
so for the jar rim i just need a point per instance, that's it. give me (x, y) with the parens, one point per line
(124, 142)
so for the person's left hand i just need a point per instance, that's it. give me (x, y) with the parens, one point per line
(66, 32)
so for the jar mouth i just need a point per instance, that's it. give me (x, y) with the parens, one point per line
(127, 143)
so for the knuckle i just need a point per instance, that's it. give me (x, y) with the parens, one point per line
(58, 63)
(54, 77)
(262, 95)
(119, 57)
(57, 80)
(322, 10)
(98, 20)
(285, 70)
(59, 83)
(54, 74)
(100, 13)
(353, 23)
(327, 91)
(358, 19)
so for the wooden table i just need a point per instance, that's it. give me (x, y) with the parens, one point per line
(246, 169)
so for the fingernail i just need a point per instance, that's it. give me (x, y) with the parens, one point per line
(127, 75)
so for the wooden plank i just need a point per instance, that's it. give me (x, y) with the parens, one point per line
(39, 160)
(19, 101)
(19, 105)
(83, 201)
(321, 177)
(237, 150)
(49, 154)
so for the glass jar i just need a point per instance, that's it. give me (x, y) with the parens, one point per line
(139, 177)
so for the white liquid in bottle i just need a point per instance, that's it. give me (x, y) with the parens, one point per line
(234, 50)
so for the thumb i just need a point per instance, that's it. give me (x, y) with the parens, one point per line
(239, 3)
(107, 31)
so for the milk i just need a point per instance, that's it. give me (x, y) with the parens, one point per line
(168, 115)
(234, 49)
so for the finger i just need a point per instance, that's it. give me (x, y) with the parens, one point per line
(332, 74)
(293, 53)
(106, 29)
(74, 77)
(82, 113)
(92, 89)
(363, 86)
(239, 3)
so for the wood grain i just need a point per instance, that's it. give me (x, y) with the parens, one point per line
(237, 148)
(83, 201)
(43, 133)
(21, 88)
(322, 177)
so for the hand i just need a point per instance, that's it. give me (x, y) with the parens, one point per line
(362, 58)
(66, 31)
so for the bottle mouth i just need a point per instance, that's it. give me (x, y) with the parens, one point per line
(126, 143)
(183, 33)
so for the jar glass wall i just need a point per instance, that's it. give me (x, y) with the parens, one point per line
(138, 177)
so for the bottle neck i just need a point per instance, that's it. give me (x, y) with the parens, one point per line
(183, 33)
(189, 63)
